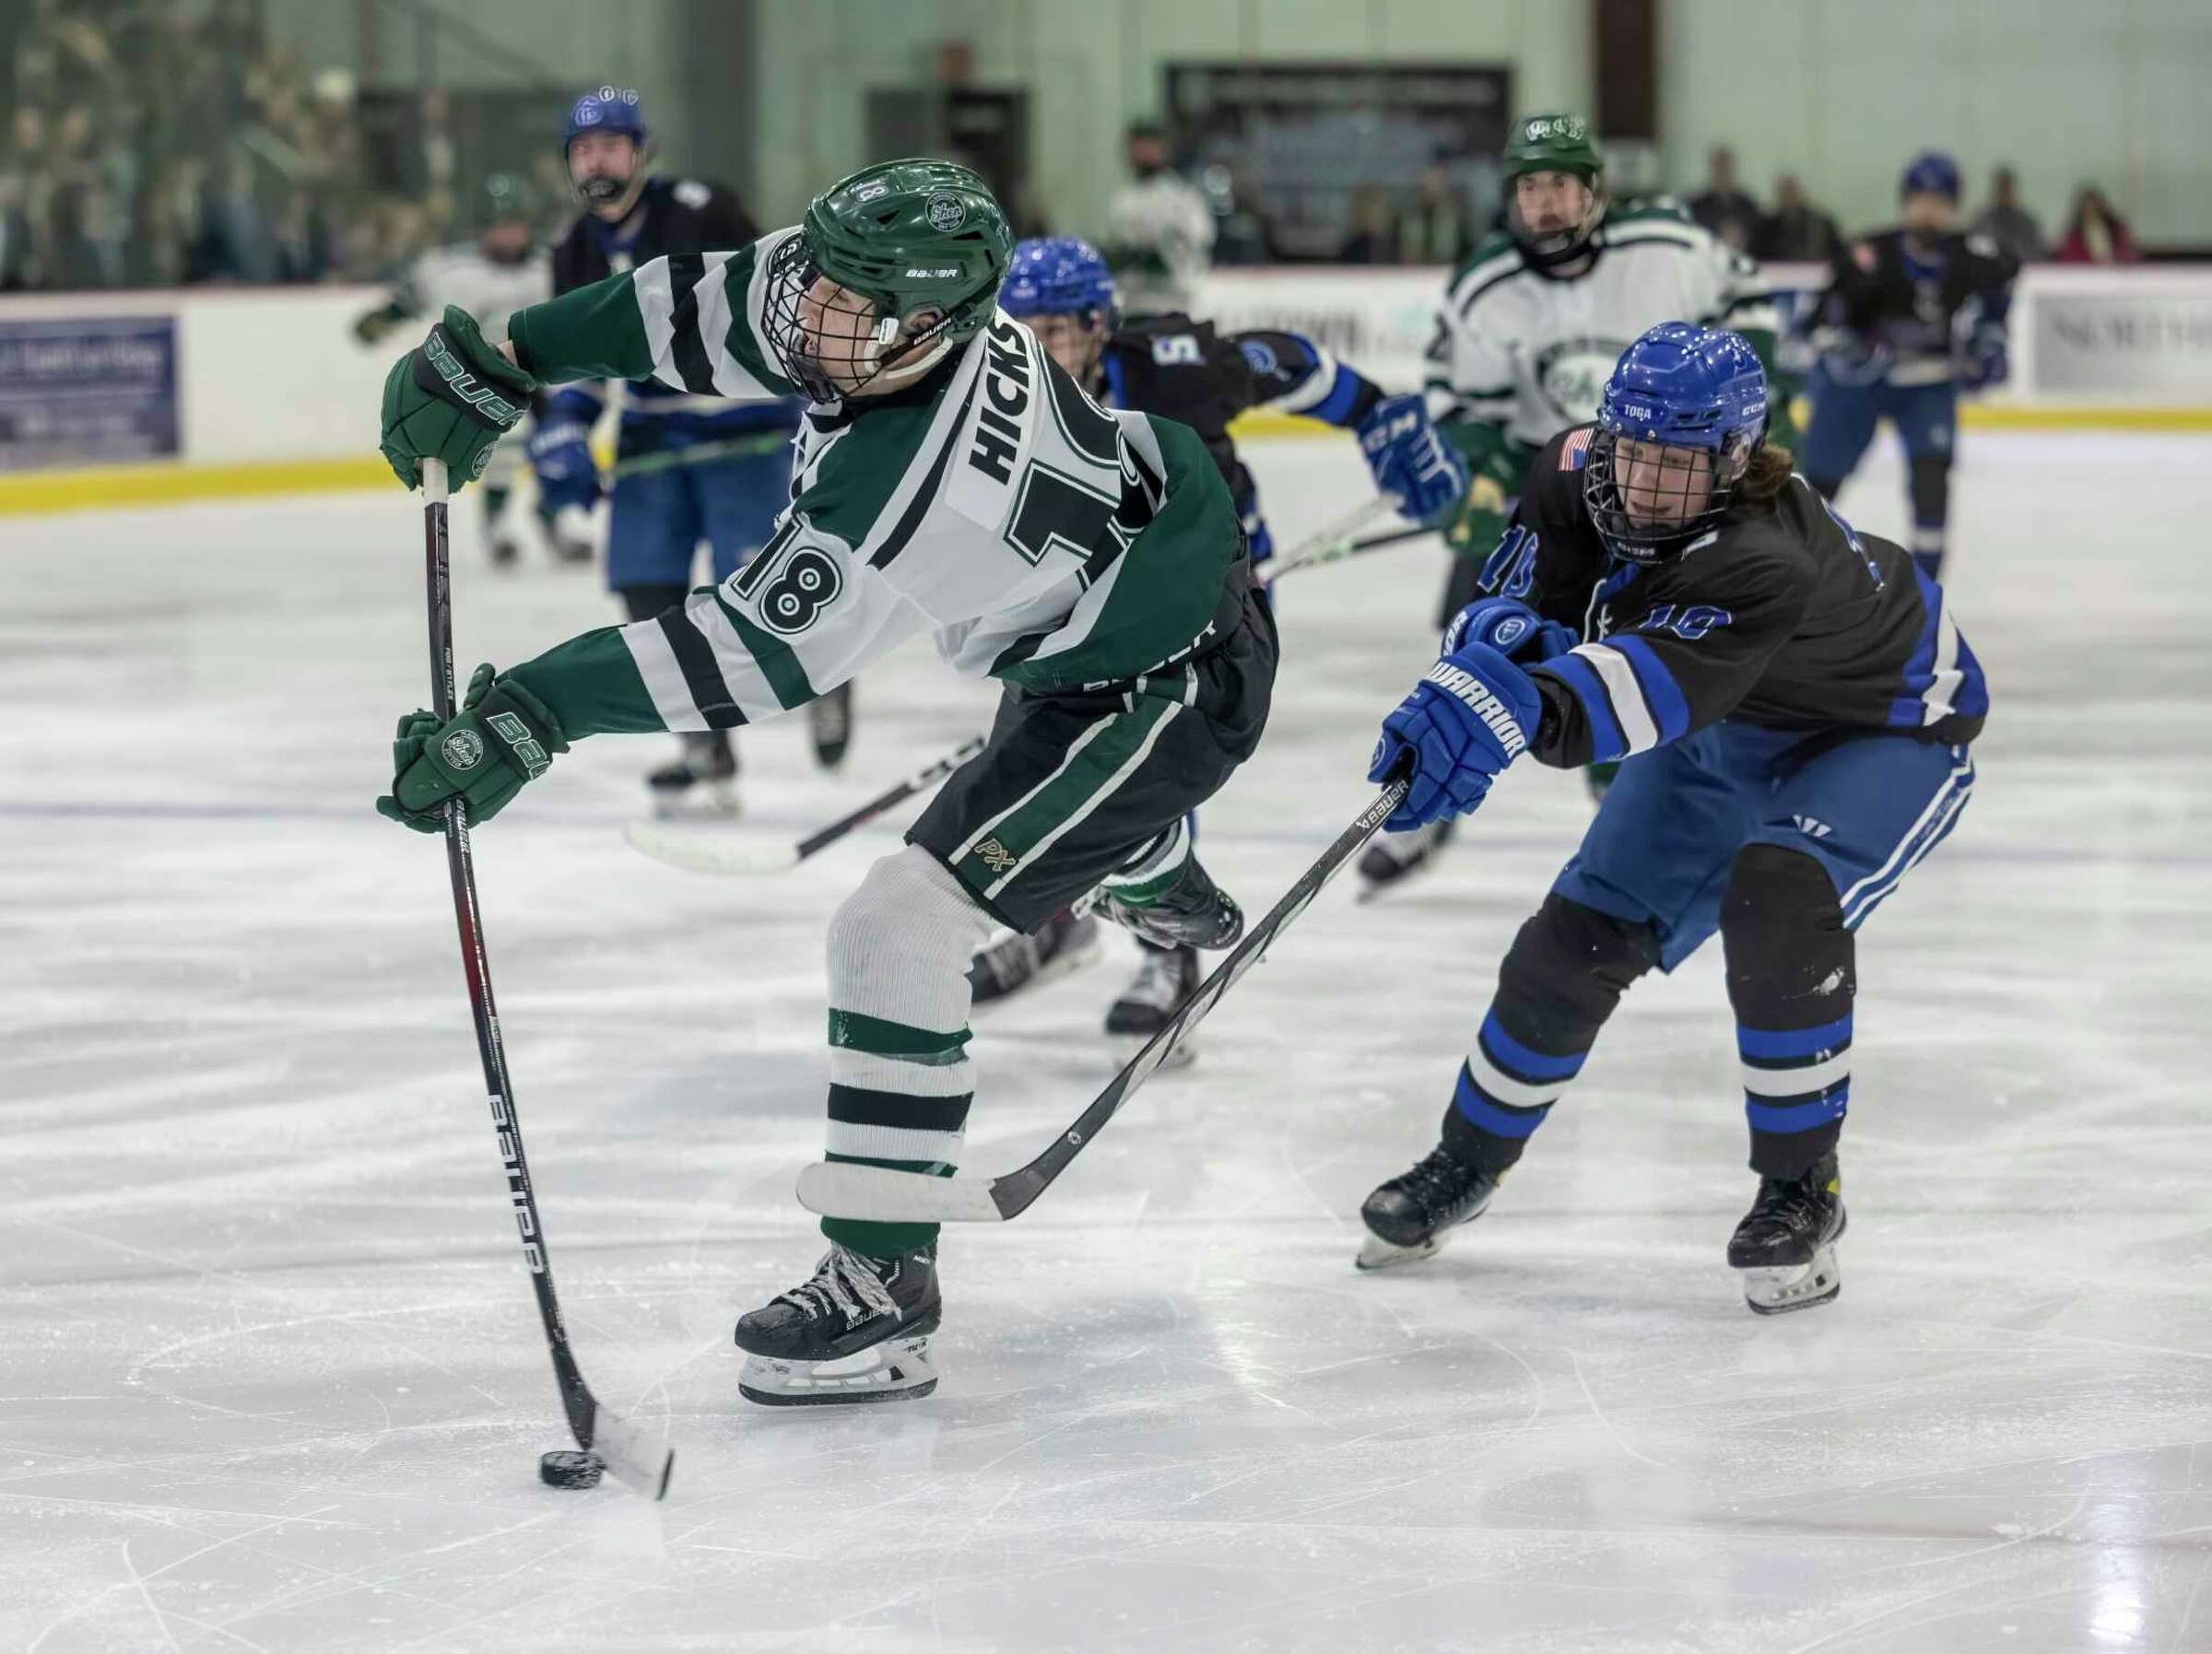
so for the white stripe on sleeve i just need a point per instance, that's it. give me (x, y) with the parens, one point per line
(1935, 700)
(656, 308)
(1638, 727)
(664, 678)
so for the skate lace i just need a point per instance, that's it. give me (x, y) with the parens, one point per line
(843, 1283)
(1435, 1182)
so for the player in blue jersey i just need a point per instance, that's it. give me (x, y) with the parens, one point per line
(1171, 364)
(688, 468)
(1793, 702)
(1912, 315)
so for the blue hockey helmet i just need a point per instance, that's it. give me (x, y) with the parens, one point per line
(1693, 399)
(1058, 275)
(613, 108)
(1931, 173)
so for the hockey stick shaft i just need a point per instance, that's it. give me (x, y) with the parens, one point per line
(619, 1445)
(1327, 542)
(701, 852)
(1340, 549)
(881, 1194)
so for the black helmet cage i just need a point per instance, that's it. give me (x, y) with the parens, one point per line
(793, 269)
(1680, 476)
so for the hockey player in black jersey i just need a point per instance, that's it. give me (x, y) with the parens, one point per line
(1794, 704)
(1172, 366)
(688, 468)
(1913, 316)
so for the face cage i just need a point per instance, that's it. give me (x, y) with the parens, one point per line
(1560, 246)
(1658, 541)
(790, 271)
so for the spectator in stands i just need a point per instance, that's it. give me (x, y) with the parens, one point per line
(1159, 231)
(1368, 239)
(1722, 206)
(1796, 229)
(2096, 234)
(19, 257)
(1436, 229)
(2011, 225)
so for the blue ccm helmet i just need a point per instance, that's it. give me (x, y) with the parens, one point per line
(1931, 173)
(1688, 388)
(1059, 276)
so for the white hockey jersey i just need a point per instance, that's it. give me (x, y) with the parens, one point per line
(1531, 351)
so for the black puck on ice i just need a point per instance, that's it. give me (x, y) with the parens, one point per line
(571, 1470)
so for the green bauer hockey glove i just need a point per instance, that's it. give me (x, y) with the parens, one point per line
(451, 399)
(502, 737)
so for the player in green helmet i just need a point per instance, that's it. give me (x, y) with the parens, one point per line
(1526, 335)
(950, 480)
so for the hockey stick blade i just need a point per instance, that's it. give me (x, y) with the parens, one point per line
(695, 851)
(639, 1461)
(706, 853)
(877, 1193)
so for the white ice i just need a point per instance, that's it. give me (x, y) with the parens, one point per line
(270, 1375)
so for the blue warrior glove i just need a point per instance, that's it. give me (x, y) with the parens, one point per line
(1410, 460)
(1462, 725)
(1509, 626)
(561, 453)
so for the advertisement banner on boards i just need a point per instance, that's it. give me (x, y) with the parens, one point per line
(86, 390)
(2143, 338)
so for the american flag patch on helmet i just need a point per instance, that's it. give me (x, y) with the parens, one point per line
(1575, 450)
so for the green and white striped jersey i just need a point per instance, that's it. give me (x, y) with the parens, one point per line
(1530, 350)
(1041, 538)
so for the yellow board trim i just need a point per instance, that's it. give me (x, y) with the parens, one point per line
(1983, 415)
(108, 488)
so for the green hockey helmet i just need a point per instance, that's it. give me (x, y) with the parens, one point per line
(1554, 144)
(909, 237)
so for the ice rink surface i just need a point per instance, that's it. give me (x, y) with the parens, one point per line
(270, 1375)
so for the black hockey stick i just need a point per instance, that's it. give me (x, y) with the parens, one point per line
(704, 852)
(879, 1194)
(621, 1445)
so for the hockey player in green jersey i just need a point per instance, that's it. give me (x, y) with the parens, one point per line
(948, 479)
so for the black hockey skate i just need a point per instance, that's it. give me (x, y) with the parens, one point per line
(703, 782)
(1393, 856)
(1410, 1217)
(1195, 912)
(1066, 942)
(830, 725)
(1786, 1244)
(1162, 982)
(857, 1331)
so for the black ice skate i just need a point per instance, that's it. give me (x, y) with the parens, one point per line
(702, 783)
(857, 1331)
(1163, 981)
(1066, 942)
(1393, 856)
(1785, 1245)
(1195, 912)
(830, 725)
(1410, 1217)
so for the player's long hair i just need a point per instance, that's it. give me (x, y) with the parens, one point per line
(1765, 476)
